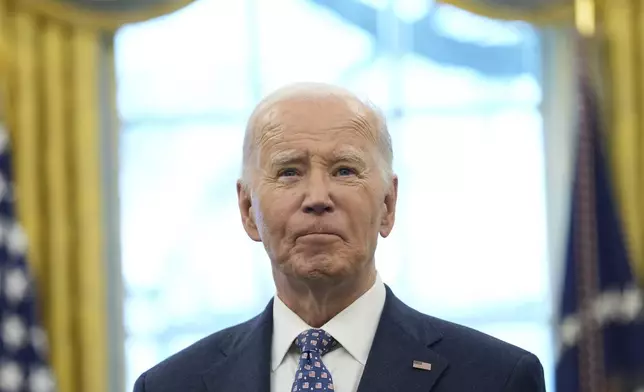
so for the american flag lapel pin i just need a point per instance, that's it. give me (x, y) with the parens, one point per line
(422, 365)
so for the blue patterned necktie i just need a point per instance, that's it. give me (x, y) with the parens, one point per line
(311, 374)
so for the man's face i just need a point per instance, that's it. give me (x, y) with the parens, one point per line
(317, 198)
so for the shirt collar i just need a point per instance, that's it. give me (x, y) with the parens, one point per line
(354, 328)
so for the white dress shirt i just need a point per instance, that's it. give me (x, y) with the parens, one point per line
(354, 329)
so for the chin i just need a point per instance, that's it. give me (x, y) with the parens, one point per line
(318, 267)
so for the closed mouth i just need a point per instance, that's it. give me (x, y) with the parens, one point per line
(319, 235)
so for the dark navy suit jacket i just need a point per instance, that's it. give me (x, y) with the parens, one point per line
(238, 359)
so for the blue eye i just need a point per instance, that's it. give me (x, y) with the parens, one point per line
(288, 173)
(345, 171)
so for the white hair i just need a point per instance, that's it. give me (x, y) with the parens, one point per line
(315, 90)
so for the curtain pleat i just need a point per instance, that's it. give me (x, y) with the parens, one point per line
(56, 111)
(86, 193)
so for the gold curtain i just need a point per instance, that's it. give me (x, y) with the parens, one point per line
(534, 11)
(621, 25)
(55, 58)
(53, 117)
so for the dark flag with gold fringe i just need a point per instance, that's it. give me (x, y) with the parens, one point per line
(601, 325)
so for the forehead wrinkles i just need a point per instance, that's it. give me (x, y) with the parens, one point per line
(363, 126)
(305, 116)
(268, 132)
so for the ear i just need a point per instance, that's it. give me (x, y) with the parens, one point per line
(389, 208)
(246, 211)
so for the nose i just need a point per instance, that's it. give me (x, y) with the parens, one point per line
(318, 198)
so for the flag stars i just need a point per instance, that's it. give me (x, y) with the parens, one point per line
(16, 285)
(14, 332)
(16, 240)
(41, 380)
(11, 377)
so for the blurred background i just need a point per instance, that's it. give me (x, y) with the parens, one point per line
(517, 132)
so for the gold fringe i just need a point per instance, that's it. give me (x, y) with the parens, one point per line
(548, 15)
(107, 21)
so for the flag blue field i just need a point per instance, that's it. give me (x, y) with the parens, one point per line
(601, 325)
(23, 348)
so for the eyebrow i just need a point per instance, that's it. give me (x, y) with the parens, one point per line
(287, 157)
(351, 155)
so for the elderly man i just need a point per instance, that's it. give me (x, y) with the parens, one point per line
(317, 189)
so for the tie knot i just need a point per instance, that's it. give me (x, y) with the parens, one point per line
(315, 340)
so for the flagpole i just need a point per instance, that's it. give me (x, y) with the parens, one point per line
(591, 351)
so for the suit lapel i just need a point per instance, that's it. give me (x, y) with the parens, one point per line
(402, 337)
(247, 366)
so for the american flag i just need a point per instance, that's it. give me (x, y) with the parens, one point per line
(601, 326)
(23, 357)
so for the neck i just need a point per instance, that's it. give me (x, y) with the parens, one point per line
(318, 301)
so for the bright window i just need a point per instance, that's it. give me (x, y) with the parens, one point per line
(462, 95)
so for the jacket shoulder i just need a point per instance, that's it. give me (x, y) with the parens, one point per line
(484, 360)
(460, 338)
(183, 370)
